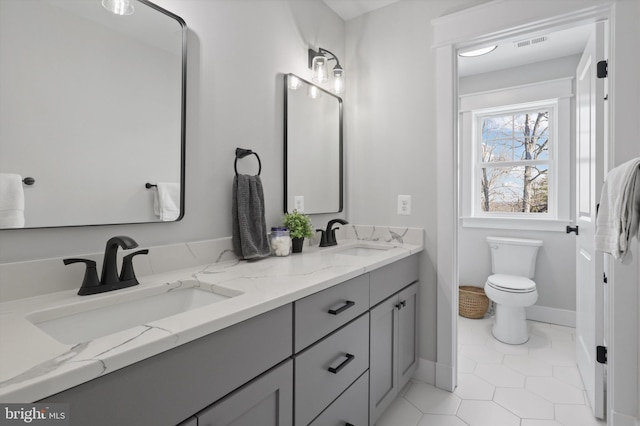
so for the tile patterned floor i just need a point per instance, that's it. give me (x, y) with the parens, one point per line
(535, 384)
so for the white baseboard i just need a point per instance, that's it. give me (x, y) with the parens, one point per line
(426, 371)
(552, 315)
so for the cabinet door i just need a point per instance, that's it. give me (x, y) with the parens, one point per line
(266, 401)
(382, 370)
(407, 334)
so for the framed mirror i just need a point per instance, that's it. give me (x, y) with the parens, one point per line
(313, 143)
(93, 110)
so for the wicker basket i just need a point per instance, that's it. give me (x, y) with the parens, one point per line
(472, 302)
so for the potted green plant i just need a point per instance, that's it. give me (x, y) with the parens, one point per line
(300, 228)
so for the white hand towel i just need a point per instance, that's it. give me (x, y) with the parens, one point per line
(11, 201)
(619, 212)
(166, 202)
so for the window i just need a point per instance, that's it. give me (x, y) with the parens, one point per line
(513, 161)
(516, 157)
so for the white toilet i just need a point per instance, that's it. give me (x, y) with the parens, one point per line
(513, 263)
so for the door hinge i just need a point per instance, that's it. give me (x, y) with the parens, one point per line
(603, 69)
(574, 229)
(604, 278)
(601, 354)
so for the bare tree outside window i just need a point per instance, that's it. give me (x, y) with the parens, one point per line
(515, 162)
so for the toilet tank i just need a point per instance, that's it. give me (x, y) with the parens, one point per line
(514, 256)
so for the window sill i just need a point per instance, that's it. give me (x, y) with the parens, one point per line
(552, 225)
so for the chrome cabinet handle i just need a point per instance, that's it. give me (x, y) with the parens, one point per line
(342, 308)
(343, 364)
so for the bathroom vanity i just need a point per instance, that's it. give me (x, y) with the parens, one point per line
(325, 337)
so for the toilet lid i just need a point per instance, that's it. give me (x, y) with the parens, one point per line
(511, 283)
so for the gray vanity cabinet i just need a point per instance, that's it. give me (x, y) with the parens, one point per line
(266, 401)
(172, 386)
(394, 356)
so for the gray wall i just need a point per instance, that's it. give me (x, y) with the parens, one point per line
(238, 51)
(555, 269)
(391, 129)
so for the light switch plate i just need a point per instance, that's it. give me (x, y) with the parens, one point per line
(298, 203)
(404, 205)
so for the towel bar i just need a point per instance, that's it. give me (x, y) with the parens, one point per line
(28, 181)
(150, 185)
(241, 153)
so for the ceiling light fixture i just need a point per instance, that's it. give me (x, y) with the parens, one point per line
(119, 7)
(318, 64)
(477, 52)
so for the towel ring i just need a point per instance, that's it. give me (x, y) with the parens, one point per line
(241, 153)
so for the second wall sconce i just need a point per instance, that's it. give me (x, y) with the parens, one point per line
(318, 63)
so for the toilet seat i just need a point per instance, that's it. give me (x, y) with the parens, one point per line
(511, 283)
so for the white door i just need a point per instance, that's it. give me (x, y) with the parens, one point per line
(590, 175)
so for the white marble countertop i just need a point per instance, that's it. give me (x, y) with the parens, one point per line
(34, 365)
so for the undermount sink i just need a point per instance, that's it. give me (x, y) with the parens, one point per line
(363, 250)
(90, 320)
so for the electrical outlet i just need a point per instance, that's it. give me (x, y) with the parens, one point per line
(404, 205)
(298, 203)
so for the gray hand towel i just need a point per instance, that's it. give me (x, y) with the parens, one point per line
(249, 237)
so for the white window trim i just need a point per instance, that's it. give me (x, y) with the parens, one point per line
(554, 93)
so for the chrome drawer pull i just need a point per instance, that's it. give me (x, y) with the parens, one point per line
(342, 365)
(342, 308)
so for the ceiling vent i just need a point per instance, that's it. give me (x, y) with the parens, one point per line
(530, 42)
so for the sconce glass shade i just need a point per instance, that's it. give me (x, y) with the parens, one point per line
(319, 69)
(119, 7)
(338, 79)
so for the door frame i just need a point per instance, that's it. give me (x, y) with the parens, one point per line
(463, 29)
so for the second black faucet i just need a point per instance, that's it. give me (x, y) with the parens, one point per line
(328, 236)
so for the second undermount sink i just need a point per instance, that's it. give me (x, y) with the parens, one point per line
(90, 320)
(363, 250)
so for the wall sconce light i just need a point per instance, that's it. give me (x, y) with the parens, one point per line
(318, 64)
(119, 7)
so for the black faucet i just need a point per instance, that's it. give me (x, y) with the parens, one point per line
(328, 236)
(110, 279)
(109, 266)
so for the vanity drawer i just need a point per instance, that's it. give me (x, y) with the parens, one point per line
(326, 369)
(352, 407)
(392, 278)
(321, 313)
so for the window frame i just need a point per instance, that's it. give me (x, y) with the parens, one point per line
(554, 94)
(552, 204)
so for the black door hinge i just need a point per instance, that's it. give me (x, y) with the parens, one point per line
(604, 278)
(574, 229)
(603, 69)
(601, 354)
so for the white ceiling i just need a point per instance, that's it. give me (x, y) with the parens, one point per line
(349, 9)
(558, 44)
